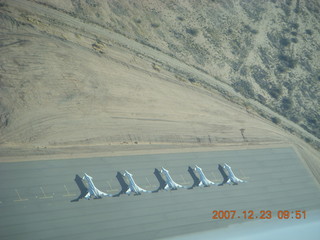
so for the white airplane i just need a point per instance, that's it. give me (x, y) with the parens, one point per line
(170, 183)
(133, 187)
(93, 191)
(203, 180)
(231, 176)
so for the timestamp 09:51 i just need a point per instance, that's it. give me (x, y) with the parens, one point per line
(262, 214)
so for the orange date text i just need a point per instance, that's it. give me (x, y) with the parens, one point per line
(262, 214)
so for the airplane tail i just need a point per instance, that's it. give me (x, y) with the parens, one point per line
(224, 175)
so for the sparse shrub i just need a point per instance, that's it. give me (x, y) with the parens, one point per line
(288, 85)
(309, 32)
(288, 61)
(295, 119)
(293, 33)
(243, 71)
(155, 67)
(275, 120)
(286, 104)
(284, 42)
(180, 78)
(275, 92)
(137, 21)
(294, 40)
(295, 25)
(308, 140)
(244, 88)
(251, 30)
(260, 75)
(192, 80)
(192, 31)
(261, 99)
(311, 120)
(155, 25)
(180, 18)
(254, 31)
(281, 69)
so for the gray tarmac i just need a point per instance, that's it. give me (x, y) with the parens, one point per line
(40, 199)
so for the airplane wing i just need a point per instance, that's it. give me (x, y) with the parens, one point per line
(240, 180)
(103, 194)
(180, 186)
(145, 191)
(212, 183)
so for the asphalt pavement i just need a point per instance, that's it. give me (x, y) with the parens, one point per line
(43, 199)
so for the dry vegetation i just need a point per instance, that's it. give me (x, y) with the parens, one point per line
(67, 78)
(266, 51)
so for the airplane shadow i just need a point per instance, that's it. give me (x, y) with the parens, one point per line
(83, 189)
(162, 182)
(123, 184)
(196, 180)
(224, 175)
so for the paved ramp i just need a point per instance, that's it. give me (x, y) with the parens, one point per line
(40, 199)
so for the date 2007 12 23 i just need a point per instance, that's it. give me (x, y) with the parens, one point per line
(263, 214)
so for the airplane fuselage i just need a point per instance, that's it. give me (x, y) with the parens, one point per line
(92, 187)
(203, 178)
(133, 187)
(170, 183)
(93, 191)
(231, 175)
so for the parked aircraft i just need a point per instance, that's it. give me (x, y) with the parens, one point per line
(170, 183)
(231, 176)
(92, 190)
(133, 187)
(204, 182)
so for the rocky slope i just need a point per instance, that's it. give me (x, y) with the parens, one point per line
(266, 50)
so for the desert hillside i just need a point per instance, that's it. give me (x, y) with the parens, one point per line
(87, 73)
